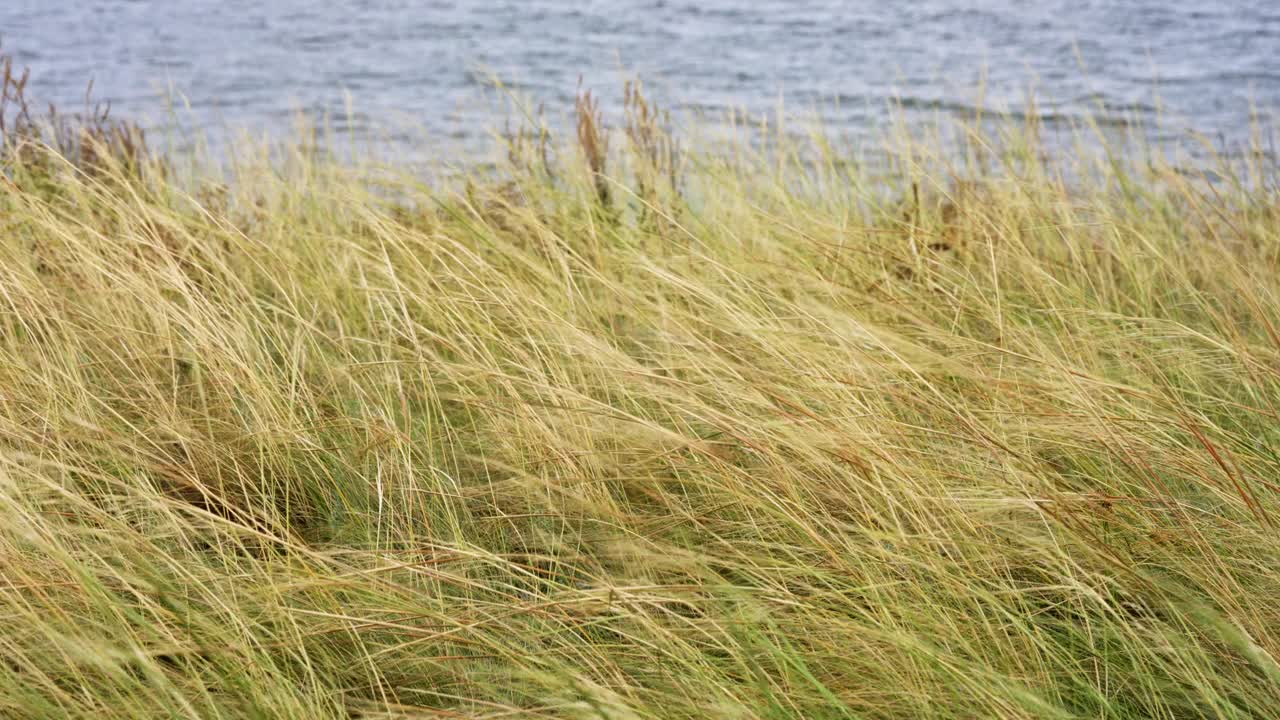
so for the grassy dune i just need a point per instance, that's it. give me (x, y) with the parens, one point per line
(626, 431)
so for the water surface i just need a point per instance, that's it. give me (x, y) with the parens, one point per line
(1194, 64)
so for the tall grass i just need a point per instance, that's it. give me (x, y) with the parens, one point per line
(637, 432)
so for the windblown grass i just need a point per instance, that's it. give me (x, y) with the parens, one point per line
(662, 436)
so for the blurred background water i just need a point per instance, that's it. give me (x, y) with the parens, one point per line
(407, 66)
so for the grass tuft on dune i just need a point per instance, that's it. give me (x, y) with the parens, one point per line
(626, 430)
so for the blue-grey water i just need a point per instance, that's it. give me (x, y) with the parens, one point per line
(1191, 63)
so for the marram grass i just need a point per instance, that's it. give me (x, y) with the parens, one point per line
(642, 433)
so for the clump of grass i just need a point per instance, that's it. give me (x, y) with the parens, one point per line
(657, 155)
(33, 144)
(293, 449)
(593, 139)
